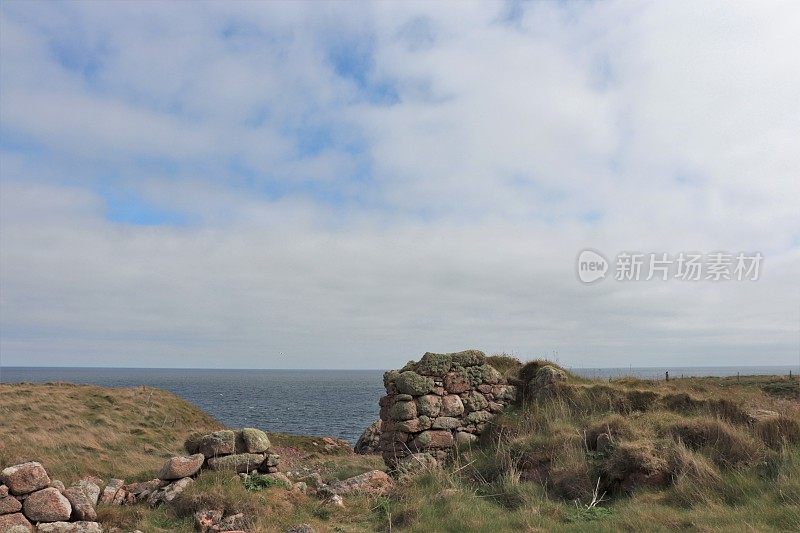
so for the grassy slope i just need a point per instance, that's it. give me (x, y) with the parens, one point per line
(78, 430)
(104, 431)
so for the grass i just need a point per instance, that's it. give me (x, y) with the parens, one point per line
(599, 455)
(77, 430)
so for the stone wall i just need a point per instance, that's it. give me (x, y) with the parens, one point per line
(438, 403)
(28, 496)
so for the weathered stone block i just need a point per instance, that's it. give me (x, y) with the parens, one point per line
(412, 383)
(429, 405)
(403, 411)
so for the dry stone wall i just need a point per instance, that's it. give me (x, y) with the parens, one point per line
(440, 402)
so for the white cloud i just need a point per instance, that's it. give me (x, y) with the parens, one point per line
(448, 219)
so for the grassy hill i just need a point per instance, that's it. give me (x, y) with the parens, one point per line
(83, 429)
(694, 454)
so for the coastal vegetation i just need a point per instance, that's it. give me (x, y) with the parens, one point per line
(572, 454)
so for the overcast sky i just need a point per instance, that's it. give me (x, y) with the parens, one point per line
(320, 185)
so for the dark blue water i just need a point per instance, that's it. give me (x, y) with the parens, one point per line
(340, 403)
(303, 402)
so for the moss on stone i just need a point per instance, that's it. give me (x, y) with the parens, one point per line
(409, 382)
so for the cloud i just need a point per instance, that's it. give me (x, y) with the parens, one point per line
(353, 184)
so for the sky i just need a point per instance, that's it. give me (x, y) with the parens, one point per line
(350, 185)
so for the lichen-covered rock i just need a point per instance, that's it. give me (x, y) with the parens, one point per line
(452, 405)
(456, 382)
(240, 462)
(434, 439)
(181, 467)
(412, 383)
(434, 364)
(446, 422)
(389, 378)
(70, 527)
(375, 482)
(478, 375)
(82, 507)
(465, 438)
(207, 520)
(9, 504)
(25, 478)
(15, 523)
(169, 492)
(221, 442)
(454, 397)
(252, 440)
(417, 463)
(479, 417)
(234, 522)
(91, 485)
(143, 489)
(414, 425)
(403, 411)
(47, 505)
(474, 401)
(110, 491)
(468, 358)
(506, 393)
(429, 405)
(369, 440)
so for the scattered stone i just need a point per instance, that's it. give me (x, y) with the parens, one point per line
(301, 528)
(70, 527)
(280, 478)
(604, 443)
(253, 440)
(82, 508)
(9, 504)
(336, 500)
(181, 467)
(236, 522)
(240, 462)
(205, 521)
(218, 443)
(169, 492)
(144, 489)
(25, 478)
(111, 489)
(300, 486)
(375, 482)
(57, 484)
(15, 523)
(47, 505)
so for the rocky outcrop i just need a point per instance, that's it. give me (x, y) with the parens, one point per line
(438, 403)
(370, 439)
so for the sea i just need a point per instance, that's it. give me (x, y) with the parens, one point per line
(339, 403)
